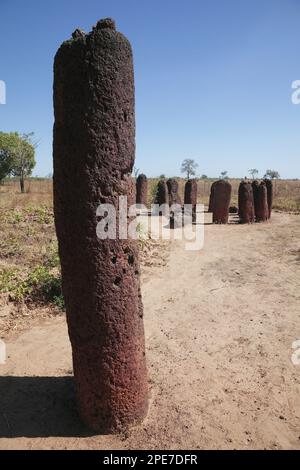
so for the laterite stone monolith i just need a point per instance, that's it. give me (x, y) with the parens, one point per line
(222, 196)
(142, 190)
(94, 152)
(262, 209)
(211, 197)
(174, 197)
(162, 196)
(246, 203)
(255, 189)
(269, 185)
(190, 196)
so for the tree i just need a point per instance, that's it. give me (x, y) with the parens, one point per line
(23, 158)
(7, 144)
(253, 172)
(16, 155)
(272, 174)
(189, 167)
(224, 175)
(203, 177)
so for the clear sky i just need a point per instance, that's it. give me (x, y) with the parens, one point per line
(213, 78)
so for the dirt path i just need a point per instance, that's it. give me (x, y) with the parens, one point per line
(220, 324)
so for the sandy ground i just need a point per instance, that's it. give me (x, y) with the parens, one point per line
(219, 323)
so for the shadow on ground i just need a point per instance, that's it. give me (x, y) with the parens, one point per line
(39, 407)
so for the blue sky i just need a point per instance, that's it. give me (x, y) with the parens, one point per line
(213, 78)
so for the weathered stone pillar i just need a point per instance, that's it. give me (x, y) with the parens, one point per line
(269, 185)
(255, 189)
(162, 195)
(261, 208)
(211, 197)
(142, 190)
(94, 152)
(175, 201)
(222, 196)
(190, 196)
(174, 197)
(246, 203)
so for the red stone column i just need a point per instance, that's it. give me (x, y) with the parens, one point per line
(246, 203)
(221, 201)
(162, 196)
(255, 189)
(190, 195)
(174, 197)
(211, 197)
(262, 209)
(142, 190)
(94, 152)
(269, 185)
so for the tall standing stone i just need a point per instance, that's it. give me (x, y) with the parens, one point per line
(211, 197)
(190, 195)
(255, 189)
(94, 152)
(261, 208)
(174, 197)
(269, 185)
(246, 203)
(162, 195)
(142, 190)
(222, 196)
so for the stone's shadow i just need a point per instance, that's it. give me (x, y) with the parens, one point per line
(39, 407)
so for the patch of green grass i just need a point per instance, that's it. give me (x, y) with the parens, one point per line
(39, 285)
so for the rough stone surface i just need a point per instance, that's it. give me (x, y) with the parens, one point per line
(190, 196)
(190, 192)
(221, 201)
(142, 190)
(94, 152)
(211, 197)
(269, 185)
(162, 195)
(246, 203)
(174, 197)
(261, 205)
(255, 189)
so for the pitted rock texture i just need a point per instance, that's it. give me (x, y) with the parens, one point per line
(269, 185)
(221, 201)
(94, 152)
(261, 208)
(190, 196)
(174, 197)
(142, 190)
(255, 189)
(190, 192)
(211, 197)
(246, 203)
(162, 196)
